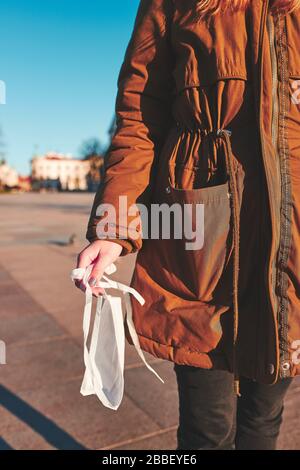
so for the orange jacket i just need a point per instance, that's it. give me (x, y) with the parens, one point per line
(235, 303)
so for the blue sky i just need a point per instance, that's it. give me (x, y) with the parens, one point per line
(60, 60)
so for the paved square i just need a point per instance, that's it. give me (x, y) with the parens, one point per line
(41, 324)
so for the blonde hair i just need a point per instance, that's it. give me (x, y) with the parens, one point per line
(206, 8)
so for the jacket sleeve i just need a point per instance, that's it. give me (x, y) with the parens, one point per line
(143, 114)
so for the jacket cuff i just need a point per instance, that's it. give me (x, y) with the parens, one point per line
(129, 246)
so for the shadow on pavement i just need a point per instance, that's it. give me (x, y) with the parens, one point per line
(4, 445)
(52, 433)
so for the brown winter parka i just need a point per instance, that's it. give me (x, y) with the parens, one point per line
(208, 113)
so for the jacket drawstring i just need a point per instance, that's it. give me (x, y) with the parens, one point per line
(236, 239)
(226, 133)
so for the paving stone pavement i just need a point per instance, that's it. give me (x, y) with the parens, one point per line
(41, 324)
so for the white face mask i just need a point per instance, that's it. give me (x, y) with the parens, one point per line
(104, 361)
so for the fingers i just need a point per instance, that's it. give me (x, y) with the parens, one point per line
(80, 285)
(100, 254)
(97, 273)
(95, 291)
(85, 257)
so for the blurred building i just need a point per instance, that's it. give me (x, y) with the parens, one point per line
(59, 172)
(9, 177)
(24, 183)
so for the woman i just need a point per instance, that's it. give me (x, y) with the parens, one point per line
(208, 115)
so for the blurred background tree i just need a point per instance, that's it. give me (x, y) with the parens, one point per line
(91, 147)
(93, 151)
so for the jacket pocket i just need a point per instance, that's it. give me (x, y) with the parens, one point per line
(202, 254)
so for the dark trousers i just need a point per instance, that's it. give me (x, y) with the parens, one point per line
(211, 416)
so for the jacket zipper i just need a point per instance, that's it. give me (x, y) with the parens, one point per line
(274, 64)
(286, 209)
(271, 299)
(281, 253)
(274, 133)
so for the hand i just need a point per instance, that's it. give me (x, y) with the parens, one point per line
(101, 254)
